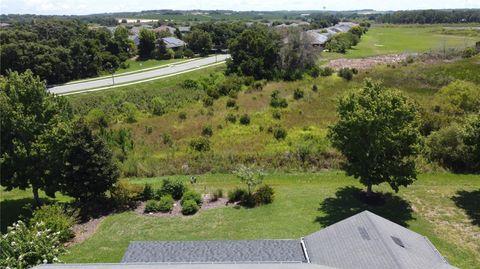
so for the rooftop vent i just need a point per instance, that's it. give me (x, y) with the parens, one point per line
(363, 233)
(398, 241)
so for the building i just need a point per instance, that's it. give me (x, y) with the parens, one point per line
(173, 43)
(363, 241)
(321, 36)
(164, 28)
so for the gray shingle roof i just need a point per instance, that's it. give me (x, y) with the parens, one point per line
(215, 251)
(366, 240)
(186, 266)
(172, 42)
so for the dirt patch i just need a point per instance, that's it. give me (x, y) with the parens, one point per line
(177, 208)
(84, 230)
(367, 63)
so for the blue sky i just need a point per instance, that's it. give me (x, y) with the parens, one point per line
(80, 7)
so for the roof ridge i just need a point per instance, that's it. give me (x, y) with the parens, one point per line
(375, 228)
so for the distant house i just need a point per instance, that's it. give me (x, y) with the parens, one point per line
(320, 36)
(173, 43)
(363, 241)
(184, 29)
(4, 24)
(164, 28)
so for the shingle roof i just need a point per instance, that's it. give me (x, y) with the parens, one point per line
(186, 266)
(215, 251)
(366, 240)
(172, 42)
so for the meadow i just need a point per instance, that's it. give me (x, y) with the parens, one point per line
(439, 206)
(391, 39)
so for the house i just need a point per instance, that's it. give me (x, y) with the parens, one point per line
(164, 28)
(173, 43)
(363, 241)
(321, 36)
(184, 29)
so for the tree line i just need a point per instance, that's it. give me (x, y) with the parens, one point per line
(429, 16)
(62, 50)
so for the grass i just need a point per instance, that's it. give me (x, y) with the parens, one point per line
(313, 200)
(137, 65)
(389, 39)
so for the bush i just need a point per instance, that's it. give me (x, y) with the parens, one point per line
(264, 195)
(200, 144)
(208, 101)
(151, 206)
(469, 52)
(315, 88)
(179, 54)
(189, 84)
(189, 207)
(125, 195)
(130, 111)
(189, 53)
(277, 101)
(236, 195)
(279, 133)
(166, 203)
(326, 71)
(217, 194)
(26, 246)
(207, 131)
(56, 219)
(245, 119)
(192, 195)
(182, 115)
(315, 71)
(96, 118)
(298, 94)
(231, 118)
(277, 114)
(158, 106)
(173, 187)
(345, 73)
(231, 103)
(147, 193)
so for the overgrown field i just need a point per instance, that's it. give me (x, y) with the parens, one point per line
(439, 206)
(389, 39)
(162, 144)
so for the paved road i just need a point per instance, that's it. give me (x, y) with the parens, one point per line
(176, 68)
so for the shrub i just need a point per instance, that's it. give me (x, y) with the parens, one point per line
(326, 71)
(189, 53)
(189, 84)
(298, 94)
(249, 175)
(182, 115)
(231, 103)
(345, 73)
(207, 131)
(277, 101)
(56, 219)
(315, 88)
(125, 195)
(277, 114)
(236, 195)
(279, 133)
(264, 195)
(315, 71)
(469, 52)
(189, 207)
(130, 111)
(173, 187)
(200, 144)
(192, 195)
(26, 246)
(96, 118)
(208, 101)
(179, 54)
(245, 119)
(151, 206)
(167, 139)
(217, 194)
(158, 106)
(231, 118)
(147, 193)
(166, 203)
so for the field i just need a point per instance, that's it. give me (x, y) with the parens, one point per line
(387, 39)
(439, 206)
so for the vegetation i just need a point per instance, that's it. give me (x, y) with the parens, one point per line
(377, 132)
(199, 41)
(55, 218)
(430, 16)
(189, 207)
(166, 203)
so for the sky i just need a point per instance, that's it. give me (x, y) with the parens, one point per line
(82, 7)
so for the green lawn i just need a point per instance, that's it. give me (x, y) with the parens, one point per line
(135, 65)
(434, 206)
(388, 39)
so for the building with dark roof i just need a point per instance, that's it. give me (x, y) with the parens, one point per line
(173, 43)
(363, 241)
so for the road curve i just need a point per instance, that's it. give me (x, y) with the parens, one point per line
(169, 70)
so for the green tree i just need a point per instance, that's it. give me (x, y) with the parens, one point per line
(378, 133)
(88, 170)
(32, 125)
(251, 176)
(458, 98)
(146, 46)
(158, 106)
(199, 41)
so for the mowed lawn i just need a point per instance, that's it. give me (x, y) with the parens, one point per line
(389, 39)
(443, 207)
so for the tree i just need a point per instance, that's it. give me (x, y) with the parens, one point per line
(146, 46)
(458, 98)
(297, 55)
(255, 52)
(33, 121)
(378, 134)
(251, 176)
(199, 41)
(88, 169)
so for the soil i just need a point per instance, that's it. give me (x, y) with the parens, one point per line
(177, 208)
(367, 63)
